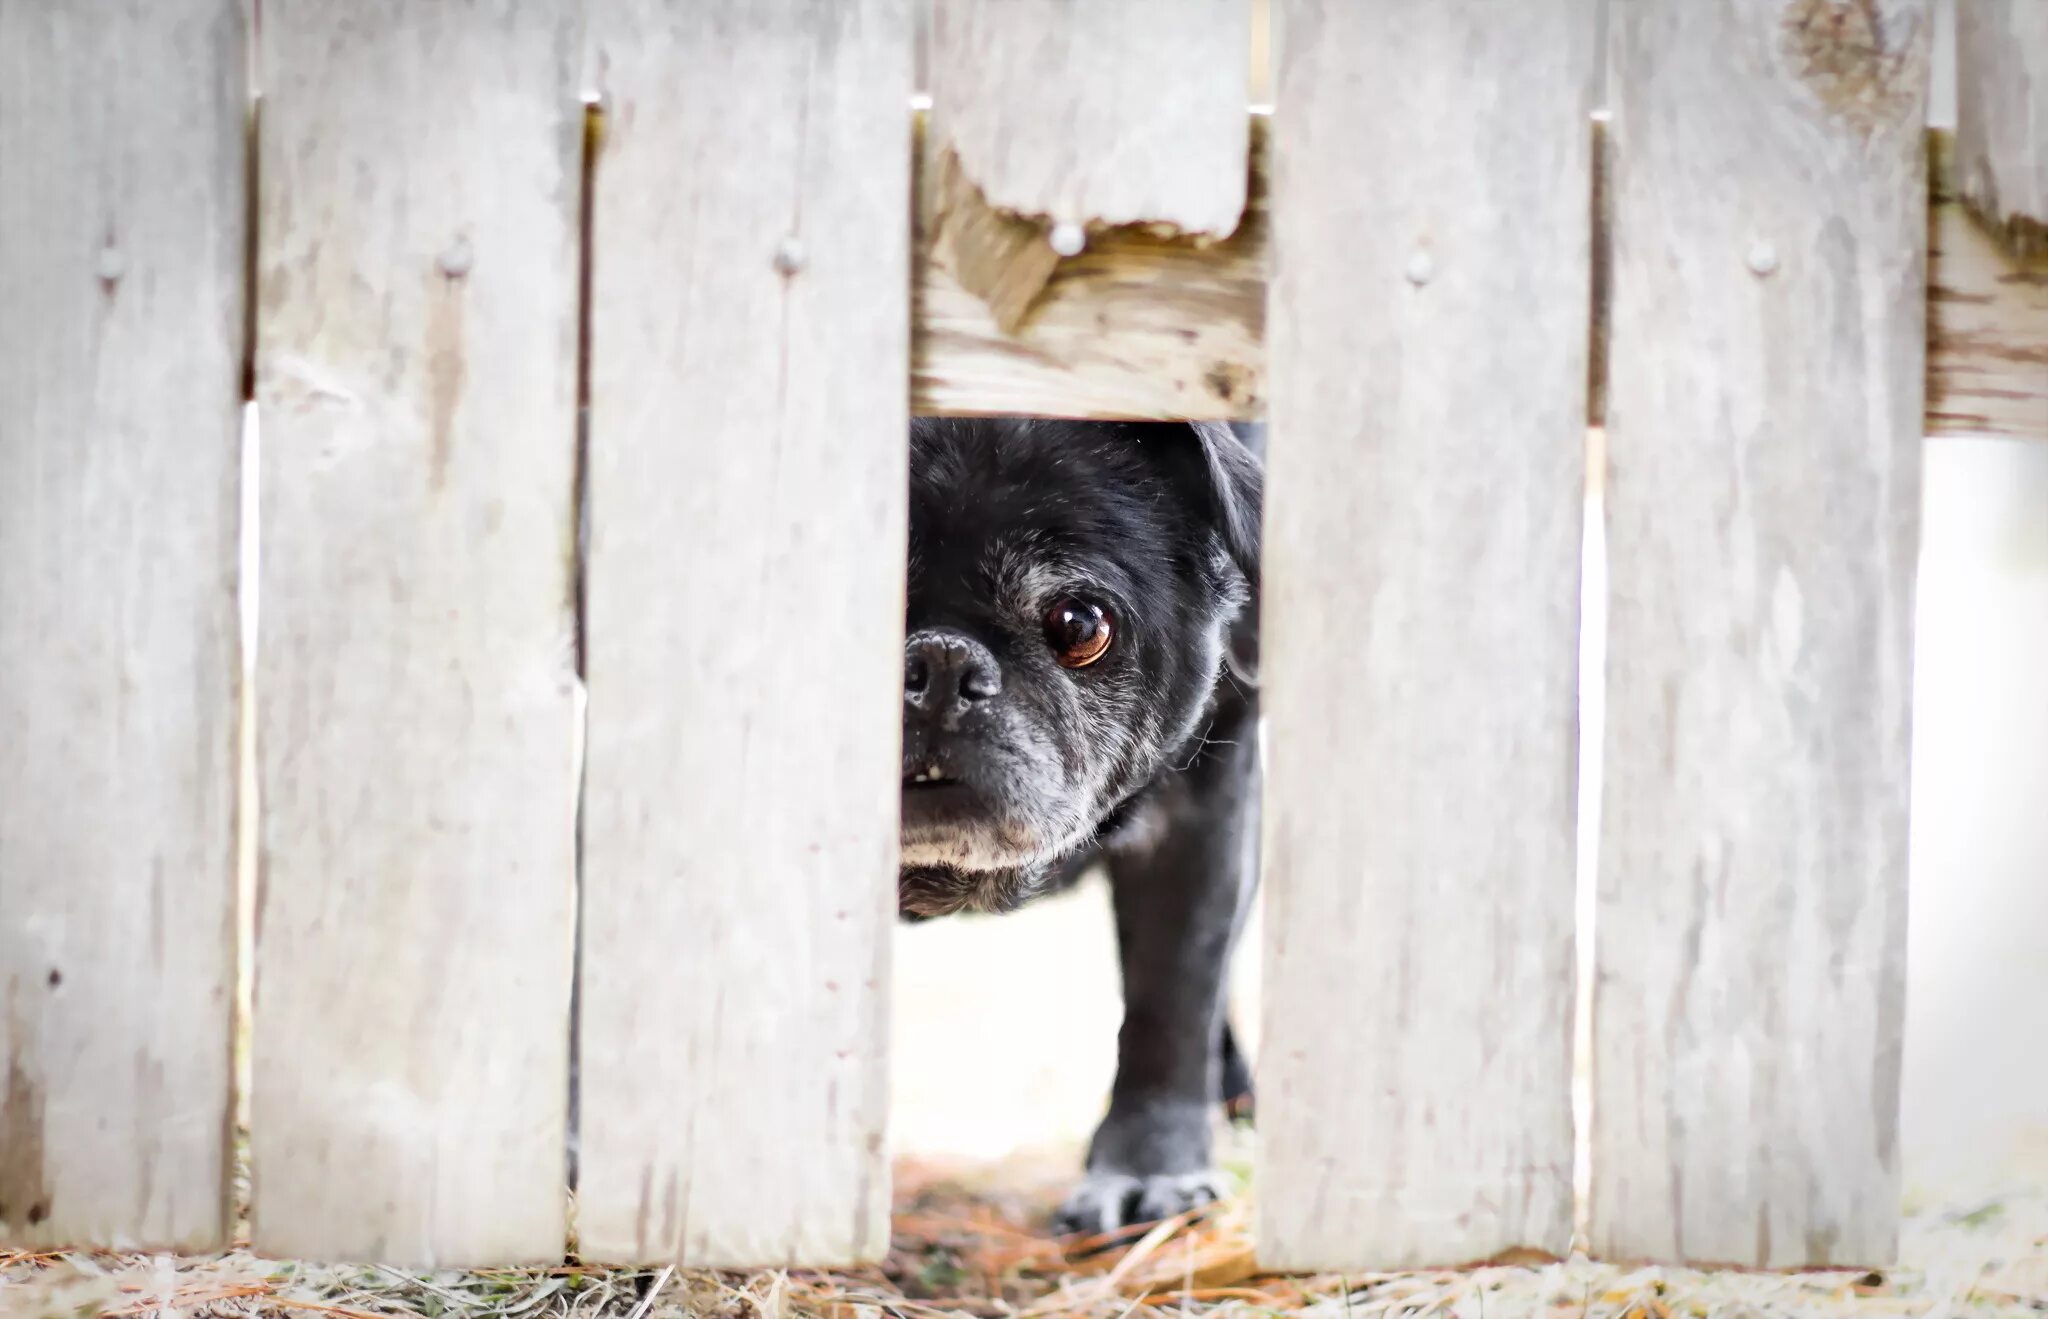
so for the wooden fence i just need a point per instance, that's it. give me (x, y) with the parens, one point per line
(1414, 269)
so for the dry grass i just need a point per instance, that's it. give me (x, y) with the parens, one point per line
(974, 1245)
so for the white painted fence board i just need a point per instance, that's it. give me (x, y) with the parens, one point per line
(122, 213)
(750, 334)
(1764, 431)
(420, 175)
(2002, 115)
(1429, 328)
(1103, 111)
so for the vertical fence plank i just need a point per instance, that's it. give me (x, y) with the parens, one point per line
(748, 485)
(1764, 428)
(1432, 221)
(1117, 112)
(122, 214)
(420, 170)
(1090, 115)
(2002, 116)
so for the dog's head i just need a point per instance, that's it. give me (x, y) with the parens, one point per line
(1073, 590)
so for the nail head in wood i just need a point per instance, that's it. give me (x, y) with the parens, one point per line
(457, 259)
(790, 256)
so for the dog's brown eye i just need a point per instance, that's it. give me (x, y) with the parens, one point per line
(1079, 632)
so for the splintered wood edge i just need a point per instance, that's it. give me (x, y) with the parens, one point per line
(1139, 326)
(1003, 259)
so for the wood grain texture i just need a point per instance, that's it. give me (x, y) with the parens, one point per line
(2002, 117)
(1763, 433)
(417, 279)
(1003, 259)
(1423, 517)
(1101, 114)
(1140, 326)
(1987, 323)
(122, 212)
(748, 488)
(1136, 326)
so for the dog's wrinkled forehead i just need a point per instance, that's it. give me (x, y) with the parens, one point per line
(1016, 512)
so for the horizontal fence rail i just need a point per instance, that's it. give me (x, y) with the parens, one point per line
(1143, 326)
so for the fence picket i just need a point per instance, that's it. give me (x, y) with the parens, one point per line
(1769, 220)
(417, 321)
(1130, 112)
(1429, 328)
(122, 204)
(749, 341)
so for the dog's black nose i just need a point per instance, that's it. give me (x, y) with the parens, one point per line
(944, 668)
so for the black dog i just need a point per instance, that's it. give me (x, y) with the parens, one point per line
(1079, 686)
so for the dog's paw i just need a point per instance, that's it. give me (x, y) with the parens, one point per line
(1108, 1202)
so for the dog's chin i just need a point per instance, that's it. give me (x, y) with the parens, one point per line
(962, 825)
(959, 853)
(926, 892)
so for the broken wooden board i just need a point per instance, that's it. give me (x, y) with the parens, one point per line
(1085, 116)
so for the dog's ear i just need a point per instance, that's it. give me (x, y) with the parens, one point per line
(1222, 476)
(1237, 481)
(1223, 473)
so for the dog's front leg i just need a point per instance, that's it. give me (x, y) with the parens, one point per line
(1180, 895)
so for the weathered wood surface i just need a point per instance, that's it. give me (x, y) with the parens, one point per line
(122, 210)
(417, 280)
(1423, 520)
(1088, 116)
(1987, 330)
(1138, 326)
(748, 490)
(1099, 114)
(1764, 424)
(1134, 326)
(2002, 117)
